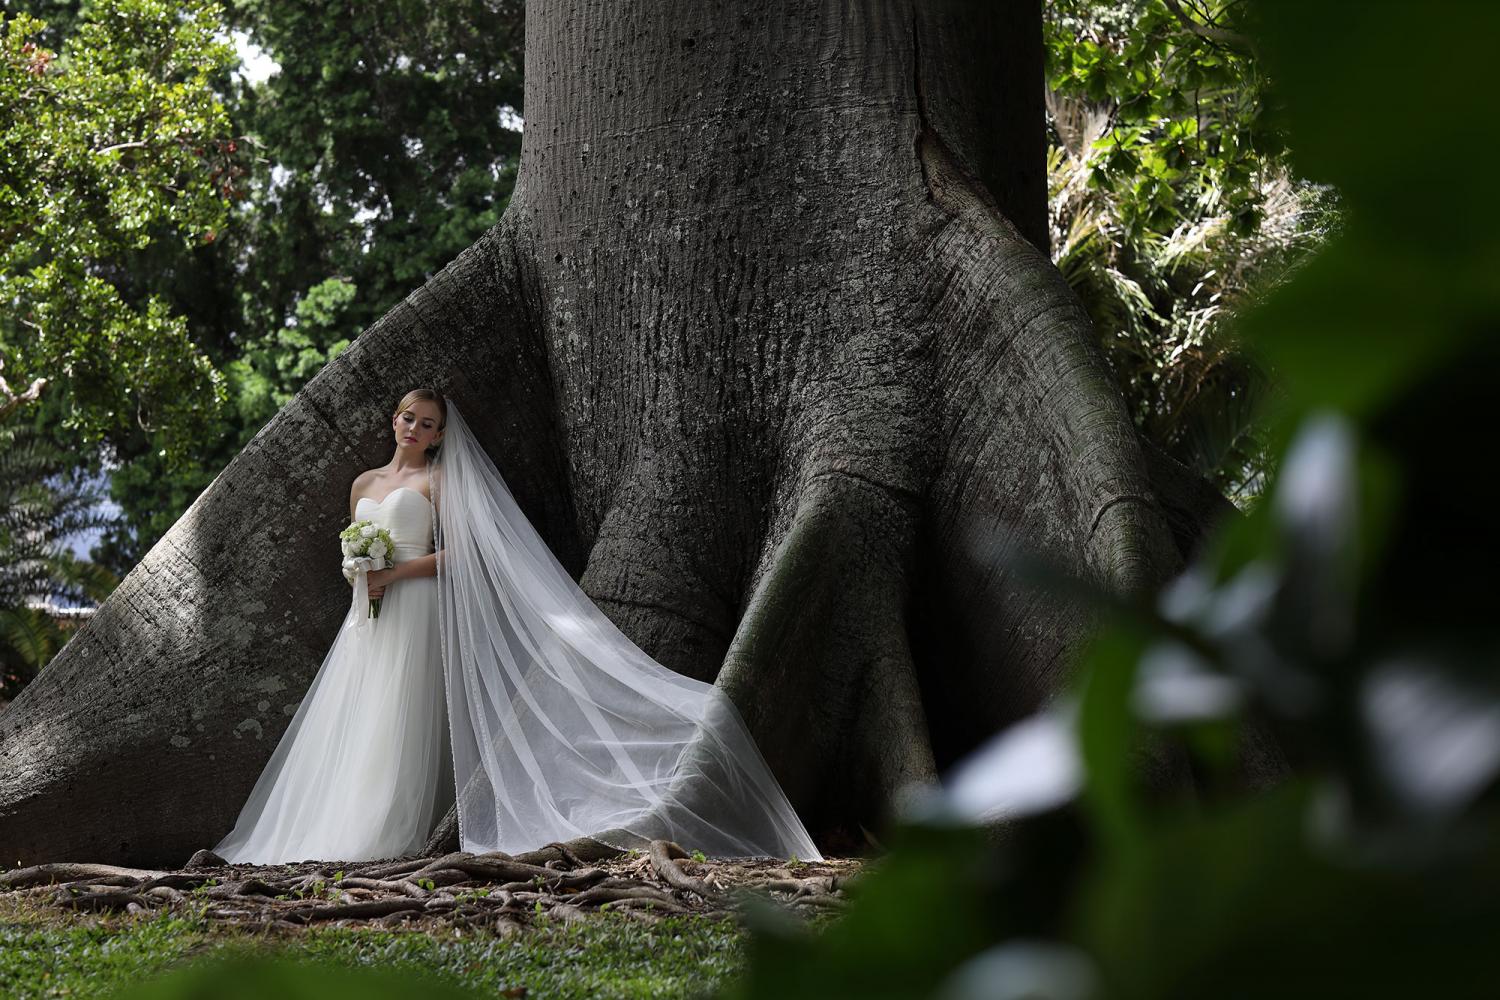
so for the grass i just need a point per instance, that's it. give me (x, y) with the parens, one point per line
(44, 955)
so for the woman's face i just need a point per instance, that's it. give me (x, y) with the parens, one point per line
(416, 426)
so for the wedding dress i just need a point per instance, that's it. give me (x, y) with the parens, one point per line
(364, 769)
(557, 725)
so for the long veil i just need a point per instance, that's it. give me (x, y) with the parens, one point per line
(561, 726)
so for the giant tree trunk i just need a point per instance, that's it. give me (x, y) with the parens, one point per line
(765, 347)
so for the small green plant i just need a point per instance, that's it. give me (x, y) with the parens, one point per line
(317, 890)
(196, 913)
(472, 895)
(427, 884)
(699, 856)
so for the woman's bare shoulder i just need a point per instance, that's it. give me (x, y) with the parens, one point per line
(361, 487)
(363, 480)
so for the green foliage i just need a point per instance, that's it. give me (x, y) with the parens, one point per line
(152, 493)
(1338, 639)
(1185, 116)
(108, 144)
(1171, 208)
(28, 639)
(384, 153)
(36, 959)
(44, 499)
(379, 157)
(271, 370)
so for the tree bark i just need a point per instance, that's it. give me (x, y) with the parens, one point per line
(766, 345)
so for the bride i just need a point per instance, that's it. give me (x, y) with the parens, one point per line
(490, 679)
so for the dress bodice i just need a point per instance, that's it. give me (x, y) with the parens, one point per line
(407, 515)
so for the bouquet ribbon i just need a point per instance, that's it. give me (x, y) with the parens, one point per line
(361, 605)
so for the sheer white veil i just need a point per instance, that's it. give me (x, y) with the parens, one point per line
(561, 726)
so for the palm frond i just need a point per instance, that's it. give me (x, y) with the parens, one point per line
(81, 577)
(43, 503)
(29, 638)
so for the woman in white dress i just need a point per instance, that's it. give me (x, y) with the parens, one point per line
(364, 769)
(489, 677)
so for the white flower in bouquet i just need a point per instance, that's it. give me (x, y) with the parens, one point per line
(365, 545)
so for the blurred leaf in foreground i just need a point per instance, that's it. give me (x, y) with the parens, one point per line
(244, 977)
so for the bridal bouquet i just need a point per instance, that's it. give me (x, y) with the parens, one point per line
(366, 546)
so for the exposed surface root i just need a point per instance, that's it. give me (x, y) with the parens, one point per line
(664, 858)
(494, 891)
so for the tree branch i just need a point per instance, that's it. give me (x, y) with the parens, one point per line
(1220, 36)
(9, 402)
(137, 144)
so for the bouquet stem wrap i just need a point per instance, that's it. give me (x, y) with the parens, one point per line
(361, 599)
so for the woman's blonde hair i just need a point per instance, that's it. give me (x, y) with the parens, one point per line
(432, 396)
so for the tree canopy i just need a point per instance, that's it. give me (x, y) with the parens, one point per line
(113, 140)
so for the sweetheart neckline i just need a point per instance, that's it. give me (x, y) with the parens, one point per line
(392, 493)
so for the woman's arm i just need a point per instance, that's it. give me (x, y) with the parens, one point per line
(377, 580)
(412, 568)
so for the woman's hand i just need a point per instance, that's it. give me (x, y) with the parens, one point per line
(378, 579)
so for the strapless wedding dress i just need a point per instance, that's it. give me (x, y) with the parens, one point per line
(364, 770)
